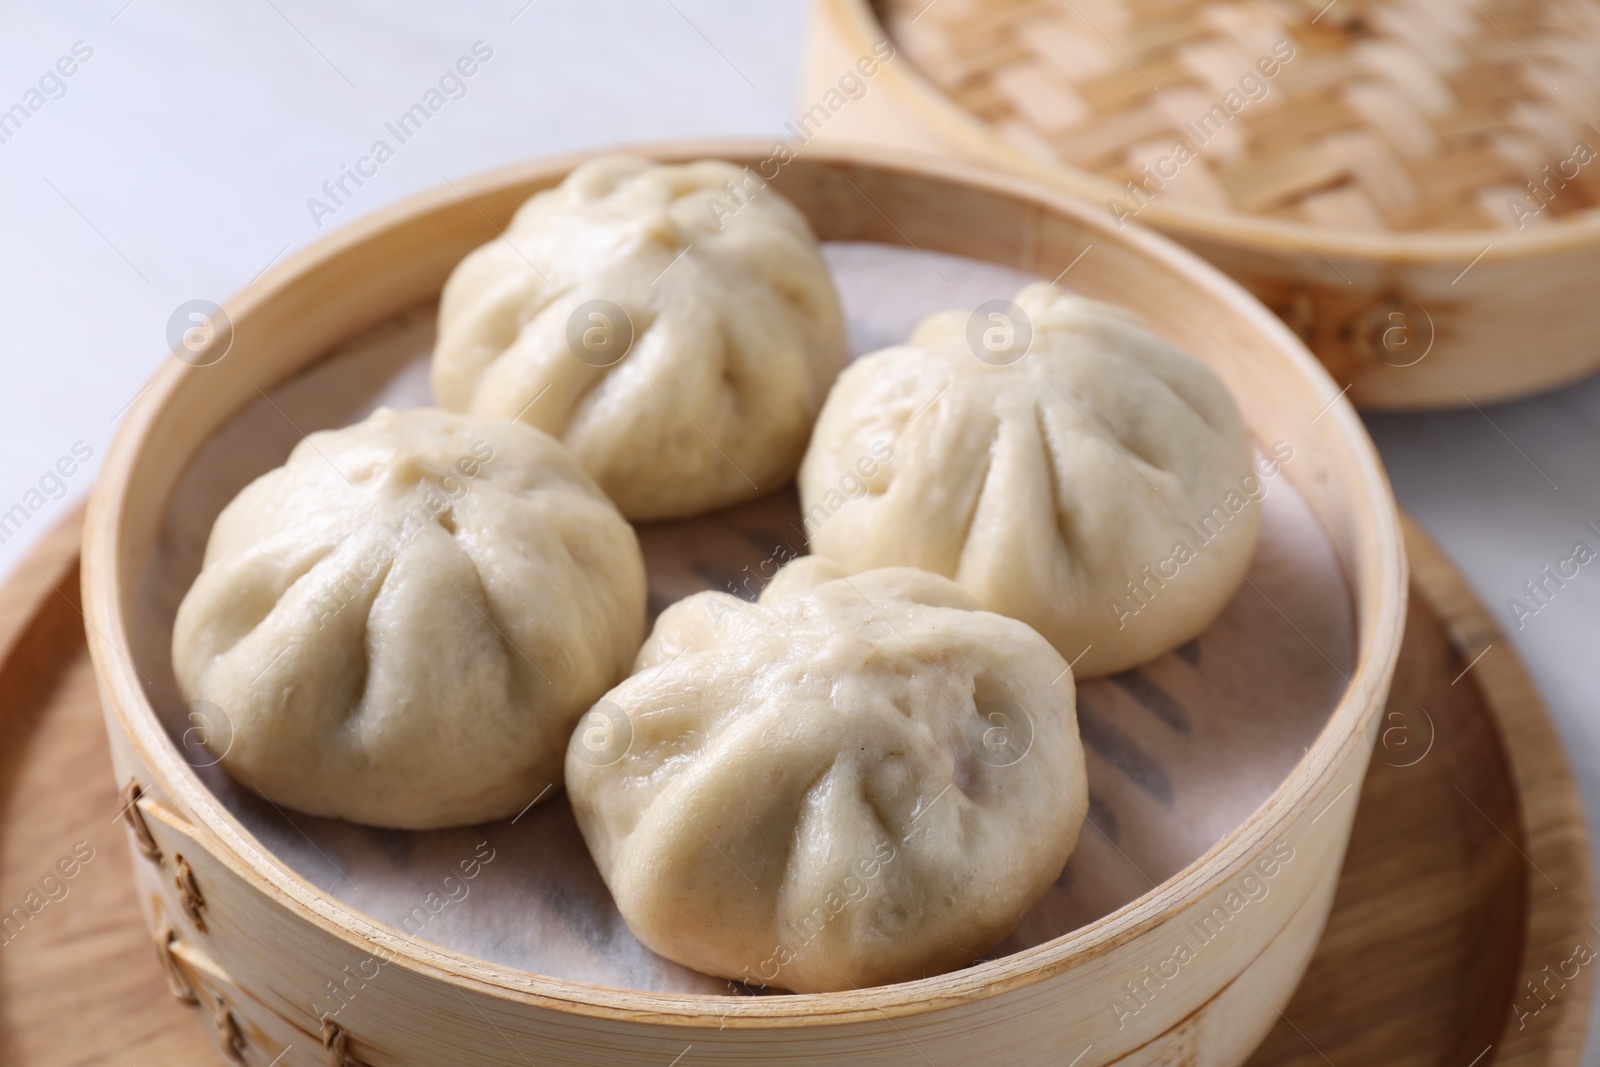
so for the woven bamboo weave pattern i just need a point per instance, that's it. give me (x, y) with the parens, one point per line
(1364, 115)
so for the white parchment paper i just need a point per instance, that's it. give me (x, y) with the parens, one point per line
(1180, 751)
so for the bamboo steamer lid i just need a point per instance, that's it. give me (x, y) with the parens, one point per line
(1372, 117)
(1411, 184)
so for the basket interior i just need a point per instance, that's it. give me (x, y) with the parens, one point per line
(1181, 751)
(1356, 115)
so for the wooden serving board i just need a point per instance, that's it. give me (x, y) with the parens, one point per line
(1468, 875)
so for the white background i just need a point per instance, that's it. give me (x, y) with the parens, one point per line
(178, 164)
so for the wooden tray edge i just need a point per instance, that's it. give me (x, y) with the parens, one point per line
(1560, 869)
(37, 576)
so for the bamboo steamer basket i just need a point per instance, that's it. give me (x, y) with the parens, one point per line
(253, 944)
(1366, 197)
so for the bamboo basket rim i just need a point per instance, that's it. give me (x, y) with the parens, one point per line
(858, 19)
(126, 703)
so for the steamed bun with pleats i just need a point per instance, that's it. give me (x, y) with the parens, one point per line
(1063, 463)
(675, 326)
(401, 624)
(854, 781)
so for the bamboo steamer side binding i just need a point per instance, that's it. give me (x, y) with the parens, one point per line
(271, 941)
(1413, 319)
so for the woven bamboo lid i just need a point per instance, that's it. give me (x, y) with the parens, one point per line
(1358, 116)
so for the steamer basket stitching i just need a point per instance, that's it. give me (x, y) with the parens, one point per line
(176, 982)
(229, 1037)
(142, 838)
(337, 1042)
(189, 893)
